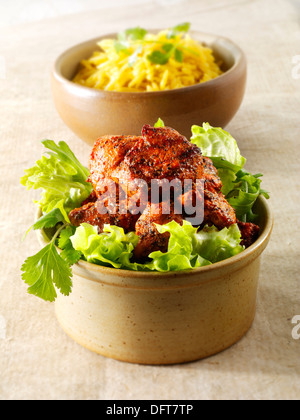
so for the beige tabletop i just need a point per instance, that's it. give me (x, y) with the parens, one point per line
(37, 359)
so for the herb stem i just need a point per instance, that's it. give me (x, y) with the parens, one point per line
(57, 233)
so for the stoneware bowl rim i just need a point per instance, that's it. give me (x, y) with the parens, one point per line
(236, 52)
(128, 278)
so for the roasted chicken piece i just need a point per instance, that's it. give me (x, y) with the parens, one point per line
(90, 214)
(162, 153)
(250, 233)
(217, 211)
(105, 160)
(91, 199)
(131, 163)
(150, 239)
(159, 154)
(108, 209)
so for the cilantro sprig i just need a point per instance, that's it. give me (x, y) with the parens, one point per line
(125, 38)
(135, 38)
(49, 269)
(180, 29)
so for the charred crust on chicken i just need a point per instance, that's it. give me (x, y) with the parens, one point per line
(120, 163)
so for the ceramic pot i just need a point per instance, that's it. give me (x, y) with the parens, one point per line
(92, 113)
(164, 318)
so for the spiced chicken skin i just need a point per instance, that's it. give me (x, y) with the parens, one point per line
(128, 164)
(150, 239)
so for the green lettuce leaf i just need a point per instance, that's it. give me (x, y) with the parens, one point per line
(240, 187)
(181, 254)
(228, 178)
(219, 146)
(246, 190)
(159, 123)
(63, 181)
(112, 248)
(187, 248)
(215, 245)
(190, 248)
(61, 177)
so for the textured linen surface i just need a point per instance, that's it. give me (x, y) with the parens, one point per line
(37, 359)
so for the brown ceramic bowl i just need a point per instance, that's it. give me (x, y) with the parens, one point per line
(164, 318)
(91, 113)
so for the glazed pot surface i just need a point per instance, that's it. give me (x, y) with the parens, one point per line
(160, 326)
(165, 318)
(91, 113)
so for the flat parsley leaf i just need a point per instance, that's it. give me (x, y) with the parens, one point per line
(69, 254)
(49, 269)
(122, 44)
(178, 30)
(135, 34)
(158, 57)
(127, 40)
(49, 220)
(170, 49)
(178, 55)
(46, 271)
